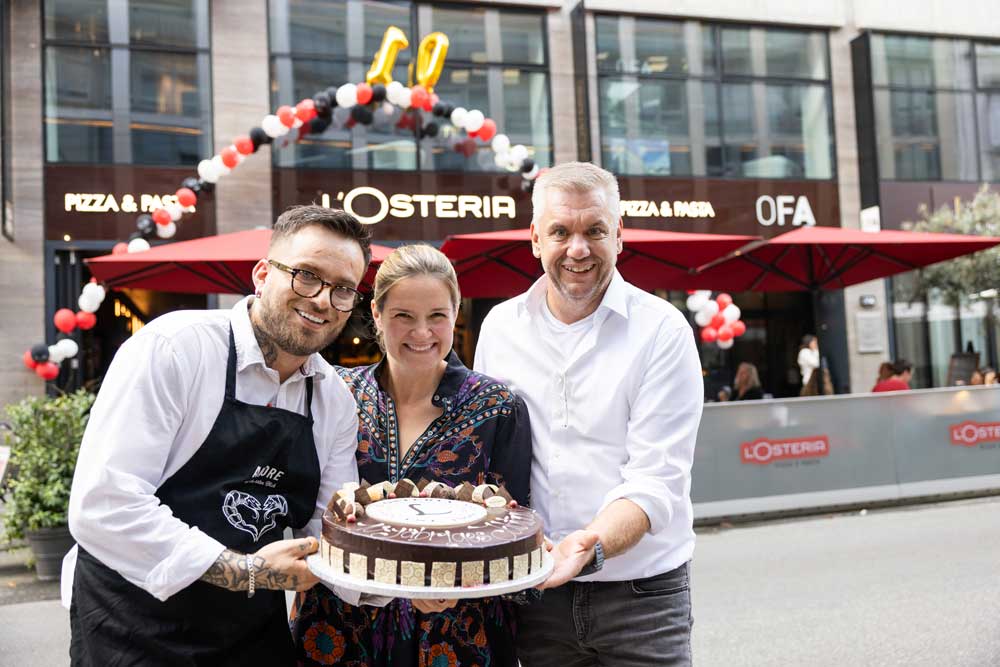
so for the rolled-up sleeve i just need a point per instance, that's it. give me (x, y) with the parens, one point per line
(662, 428)
(113, 511)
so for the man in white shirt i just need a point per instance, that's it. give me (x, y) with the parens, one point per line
(612, 380)
(214, 431)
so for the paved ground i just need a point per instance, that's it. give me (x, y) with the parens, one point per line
(915, 586)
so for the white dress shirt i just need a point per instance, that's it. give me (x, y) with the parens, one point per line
(613, 416)
(155, 408)
(808, 362)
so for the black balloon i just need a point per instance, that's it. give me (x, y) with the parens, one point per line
(144, 223)
(362, 114)
(378, 93)
(207, 187)
(527, 165)
(319, 125)
(259, 137)
(331, 93)
(430, 130)
(448, 108)
(39, 353)
(192, 184)
(438, 109)
(321, 102)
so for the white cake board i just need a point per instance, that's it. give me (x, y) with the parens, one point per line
(328, 575)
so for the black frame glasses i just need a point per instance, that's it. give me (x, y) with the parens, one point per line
(338, 293)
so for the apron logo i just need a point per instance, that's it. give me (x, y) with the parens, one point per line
(244, 512)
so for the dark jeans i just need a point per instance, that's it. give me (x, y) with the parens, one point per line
(618, 623)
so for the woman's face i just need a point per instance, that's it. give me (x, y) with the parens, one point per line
(417, 322)
(814, 344)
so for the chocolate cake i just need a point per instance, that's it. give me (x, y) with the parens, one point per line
(430, 537)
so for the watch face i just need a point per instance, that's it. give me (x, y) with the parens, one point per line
(426, 512)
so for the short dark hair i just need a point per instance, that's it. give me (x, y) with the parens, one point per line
(900, 366)
(334, 219)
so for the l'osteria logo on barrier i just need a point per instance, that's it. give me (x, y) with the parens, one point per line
(985, 435)
(764, 451)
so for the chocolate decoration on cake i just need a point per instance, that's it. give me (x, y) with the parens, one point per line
(481, 493)
(502, 491)
(361, 496)
(405, 488)
(444, 491)
(422, 482)
(464, 492)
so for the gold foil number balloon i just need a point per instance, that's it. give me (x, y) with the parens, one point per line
(430, 59)
(393, 40)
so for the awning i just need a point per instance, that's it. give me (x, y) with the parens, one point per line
(210, 265)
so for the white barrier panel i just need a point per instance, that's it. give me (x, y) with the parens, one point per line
(787, 454)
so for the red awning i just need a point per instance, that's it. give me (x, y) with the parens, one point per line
(814, 258)
(501, 264)
(211, 265)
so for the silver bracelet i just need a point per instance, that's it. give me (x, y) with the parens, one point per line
(252, 583)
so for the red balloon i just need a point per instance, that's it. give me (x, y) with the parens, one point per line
(418, 97)
(725, 333)
(65, 320)
(85, 320)
(186, 197)
(162, 217)
(286, 115)
(47, 371)
(709, 334)
(243, 144)
(305, 110)
(488, 130)
(434, 99)
(723, 300)
(364, 93)
(230, 157)
(739, 328)
(120, 248)
(717, 321)
(28, 361)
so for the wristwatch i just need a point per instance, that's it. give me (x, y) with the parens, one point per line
(596, 564)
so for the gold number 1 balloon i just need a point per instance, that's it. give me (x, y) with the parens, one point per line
(393, 40)
(430, 59)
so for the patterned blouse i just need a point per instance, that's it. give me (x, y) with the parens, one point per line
(483, 436)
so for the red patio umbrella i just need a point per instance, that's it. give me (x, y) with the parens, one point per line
(500, 264)
(820, 258)
(209, 265)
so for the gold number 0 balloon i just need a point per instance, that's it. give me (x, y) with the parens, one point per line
(393, 40)
(430, 60)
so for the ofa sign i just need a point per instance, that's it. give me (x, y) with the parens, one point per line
(785, 209)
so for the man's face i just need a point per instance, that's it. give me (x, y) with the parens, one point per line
(298, 325)
(578, 241)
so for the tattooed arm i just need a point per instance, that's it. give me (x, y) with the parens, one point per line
(278, 566)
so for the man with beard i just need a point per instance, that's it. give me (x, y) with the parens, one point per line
(612, 380)
(213, 432)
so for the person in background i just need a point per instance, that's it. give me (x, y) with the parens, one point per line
(725, 394)
(902, 371)
(990, 376)
(884, 371)
(747, 383)
(808, 359)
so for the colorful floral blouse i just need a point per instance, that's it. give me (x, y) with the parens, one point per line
(483, 436)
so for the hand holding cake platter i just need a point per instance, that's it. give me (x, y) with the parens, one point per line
(429, 540)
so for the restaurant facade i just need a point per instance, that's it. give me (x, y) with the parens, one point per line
(714, 119)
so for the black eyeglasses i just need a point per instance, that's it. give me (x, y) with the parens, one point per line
(307, 284)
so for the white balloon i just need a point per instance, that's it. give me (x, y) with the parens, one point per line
(392, 91)
(56, 355)
(706, 292)
(711, 307)
(500, 143)
(220, 166)
(533, 173)
(404, 98)
(731, 313)
(207, 171)
(387, 108)
(702, 318)
(501, 160)
(273, 127)
(94, 289)
(458, 116)
(518, 154)
(138, 245)
(166, 231)
(474, 120)
(724, 344)
(347, 95)
(88, 303)
(68, 347)
(696, 301)
(176, 211)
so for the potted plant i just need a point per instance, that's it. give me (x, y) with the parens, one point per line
(45, 435)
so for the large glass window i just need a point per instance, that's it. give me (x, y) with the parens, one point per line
(689, 98)
(936, 108)
(127, 81)
(496, 62)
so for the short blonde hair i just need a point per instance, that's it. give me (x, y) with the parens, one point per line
(414, 260)
(581, 177)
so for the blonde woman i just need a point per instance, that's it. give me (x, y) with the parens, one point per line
(409, 404)
(746, 385)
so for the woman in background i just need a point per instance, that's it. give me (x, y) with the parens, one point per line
(747, 383)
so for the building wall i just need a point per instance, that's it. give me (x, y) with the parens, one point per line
(22, 293)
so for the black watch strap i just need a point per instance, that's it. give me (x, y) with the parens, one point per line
(596, 564)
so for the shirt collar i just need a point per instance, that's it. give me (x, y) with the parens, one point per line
(615, 297)
(248, 351)
(454, 377)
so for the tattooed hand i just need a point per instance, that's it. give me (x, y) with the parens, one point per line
(278, 566)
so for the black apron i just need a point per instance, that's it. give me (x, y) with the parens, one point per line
(256, 473)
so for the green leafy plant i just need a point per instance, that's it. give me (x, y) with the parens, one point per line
(45, 440)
